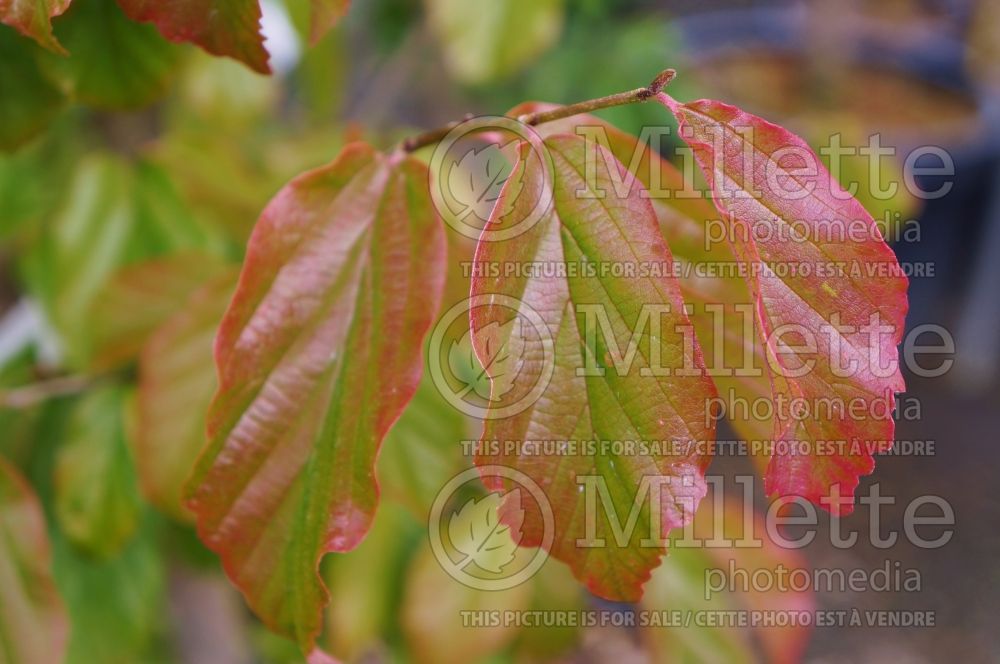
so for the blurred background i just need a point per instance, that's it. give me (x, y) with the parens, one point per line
(131, 174)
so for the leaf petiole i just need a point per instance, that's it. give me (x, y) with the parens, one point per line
(540, 117)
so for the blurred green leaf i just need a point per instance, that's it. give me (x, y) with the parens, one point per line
(113, 62)
(96, 494)
(113, 214)
(29, 176)
(485, 41)
(364, 585)
(115, 605)
(220, 91)
(432, 614)
(28, 99)
(423, 451)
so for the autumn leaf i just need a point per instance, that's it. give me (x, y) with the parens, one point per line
(476, 531)
(584, 402)
(33, 623)
(33, 18)
(719, 306)
(317, 355)
(831, 337)
(221, 27)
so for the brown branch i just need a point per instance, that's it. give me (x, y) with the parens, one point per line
(540, 117)
(20, 398)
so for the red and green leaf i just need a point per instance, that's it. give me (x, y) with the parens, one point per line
(221, 27)
(33, 18)
(761, 195)
(317, 356)
(615, 406)
(719, 305)
(33, 623)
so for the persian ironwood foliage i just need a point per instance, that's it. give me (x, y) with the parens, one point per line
(288, 474)
(636, 404)
(762, 174)
(320, 348)
(318, 354)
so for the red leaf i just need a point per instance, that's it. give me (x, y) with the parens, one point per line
(629, 405)
(221, 27)
(33, 623)
(33, 18)
(317, 356)
(867, 286)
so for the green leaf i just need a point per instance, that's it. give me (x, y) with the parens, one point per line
(589, 392)
(317, 356)
(33, 625)
(96, 495)
(85, 243)
(114, 63)
(222, 27)
(485, 41)
(28, 99)
(116, 604)
(33, 18)
(176, 384)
